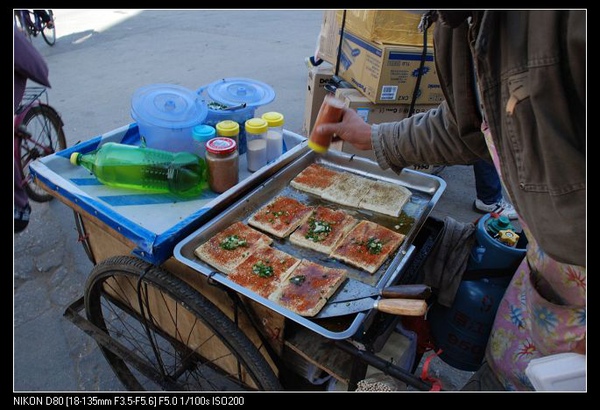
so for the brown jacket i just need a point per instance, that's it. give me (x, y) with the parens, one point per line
(531, 71)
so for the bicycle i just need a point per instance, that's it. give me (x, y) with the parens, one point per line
(31, 23)
(38, 130)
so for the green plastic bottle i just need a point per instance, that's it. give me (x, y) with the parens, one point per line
(148, 169)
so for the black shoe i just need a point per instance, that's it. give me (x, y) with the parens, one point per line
(22, 218)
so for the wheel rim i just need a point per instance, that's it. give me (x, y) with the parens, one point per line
(48, 33)
(189, 359)
(46, 138)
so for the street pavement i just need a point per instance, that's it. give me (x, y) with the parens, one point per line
(100, 58)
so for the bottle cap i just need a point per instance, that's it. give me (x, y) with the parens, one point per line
(495, 225)
(256, 126)
(274, 119)
(221, 146)
(203, 133)
(228, 128)
(73, 158)
(508, 237)
(318, 148)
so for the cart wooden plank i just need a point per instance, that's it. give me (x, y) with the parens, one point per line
(321, 352)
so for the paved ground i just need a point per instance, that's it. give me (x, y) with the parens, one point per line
(100, 58)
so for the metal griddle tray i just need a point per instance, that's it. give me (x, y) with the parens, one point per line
(426, 190)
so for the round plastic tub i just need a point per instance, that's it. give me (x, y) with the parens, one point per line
(166, 115)
(223, 96)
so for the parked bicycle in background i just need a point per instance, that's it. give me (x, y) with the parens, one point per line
(38, 132)
(38, 128)
(34, 22)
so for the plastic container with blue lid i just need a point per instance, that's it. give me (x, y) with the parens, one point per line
(201, 134)
(236, 91)
(166, 115)
(224, 95)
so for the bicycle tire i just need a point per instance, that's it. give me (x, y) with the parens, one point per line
(173, 352)
(45, 126)
(49, 33)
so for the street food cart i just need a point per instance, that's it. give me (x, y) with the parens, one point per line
(165, 320)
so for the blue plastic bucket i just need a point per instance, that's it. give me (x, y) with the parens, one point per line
(166, 115)
(232, 92)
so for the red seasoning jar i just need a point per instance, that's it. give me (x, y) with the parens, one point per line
(331, 111)
(222, 159)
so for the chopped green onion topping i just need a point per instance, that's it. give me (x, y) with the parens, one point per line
(318, 230)
(232, 242)
(374, 246)
(262, 269)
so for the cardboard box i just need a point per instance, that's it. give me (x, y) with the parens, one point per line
(376, 114)
(318, 77)
(397, 27)
(388, 74)
(385, 74)
(329, 38)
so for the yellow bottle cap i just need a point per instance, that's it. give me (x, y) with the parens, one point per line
(228, 128)
(256, 126)
(508, 237)
(318, 148)
(274, 119)
(73, 158)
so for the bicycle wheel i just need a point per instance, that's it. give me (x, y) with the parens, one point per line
(47, 136)
(49, 33)
(183, 341)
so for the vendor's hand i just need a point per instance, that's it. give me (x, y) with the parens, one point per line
(352, 129)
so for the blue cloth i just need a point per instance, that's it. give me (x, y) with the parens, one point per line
(487, 182)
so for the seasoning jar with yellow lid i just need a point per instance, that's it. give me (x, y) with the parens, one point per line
(222, 160)
(229, 129)
(274, 134)
(256, 137)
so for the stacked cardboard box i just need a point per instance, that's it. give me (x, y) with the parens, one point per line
(376, 114)
(399, 27)
(384, 73)
(318, 77)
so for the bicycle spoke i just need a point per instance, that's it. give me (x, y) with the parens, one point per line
(168, 353)
(170, 337)
(44, 136)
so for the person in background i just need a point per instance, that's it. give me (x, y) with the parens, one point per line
(489, 191)
(45, 17)
(29, 65)
(515, 93)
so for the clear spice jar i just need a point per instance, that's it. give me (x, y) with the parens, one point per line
(256, 139)
(274, 134)
(229, 129)
(201, 134)
(222, 159)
